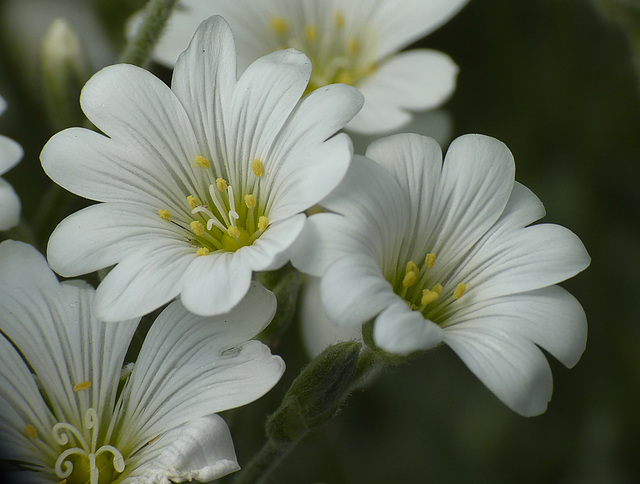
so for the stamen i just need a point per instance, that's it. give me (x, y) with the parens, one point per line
(202, 251)
(339, 19)
(279, 25)
(410, 278)
(250, 201)
(30, 432)
(81, 386)
(222, 184)
(437, 288)
(193, 201)
(234, 232)
(197, 228)
(311, 33)
(353, 46)
(165, 215)
(233, 215)
(202, 162)
(257, 167)
(412, 267)
(428, 296)
(345, 78)
(460, 290)
(430, 260)
(263, 223)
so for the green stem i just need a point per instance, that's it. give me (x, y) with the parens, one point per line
(263, 463)
(141, 46)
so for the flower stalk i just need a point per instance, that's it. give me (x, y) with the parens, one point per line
(141, 46)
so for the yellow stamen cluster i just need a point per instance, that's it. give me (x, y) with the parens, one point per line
(263, 223)
(311, 33)
(197, 228)
(430, 295)
(430, 260)
(78, 387)
(411, 274)
(165, 215)
(460, 290)
(257, 167)
(279, 25)
(202, 251)
(202, 162)
(30, 432)
(193, 201)
(222, 184)
(250, 201)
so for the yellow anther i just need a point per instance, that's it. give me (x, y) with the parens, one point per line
(437, 288)
(164, 215)
(263, 223)
(279, 25)
(353, 46)
(412, 267)
(202, 162)
(234, 231)
(197, 228)
(78, 387)
(30, 432)
(202, 251)
(410, 279)
(345, 78)
(339, 19)
(257, 167)
(222, 184)
(428, 296)
(430, 260)
(193, 201)
(460, 290)
(311, 33)
(250, 201)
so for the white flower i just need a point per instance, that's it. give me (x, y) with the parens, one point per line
(65, 411)
(446, 253)
(10, 155)
(350, 41)
(203, 183)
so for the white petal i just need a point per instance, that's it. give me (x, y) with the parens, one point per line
(416, 80)
(398, 25)
(10, 154)
(21, 404)
(204, 79)
(138, 111)
(263, 99)
(310, 166)
(401, 331)
(201, 449)
(476, 183)
(110, 170)
(273, 248)
(530, 258)
(550, 317)
(101, 235)
(9, 206)
(515, 370)
(52, 325)
(216, 283)
(437, 124)
(190, 366)
(144, 280)
(318, 331)
(353, 291)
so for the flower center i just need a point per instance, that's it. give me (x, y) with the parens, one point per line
(221, 219)
(424, 293)
(339, 51)
(84, 462)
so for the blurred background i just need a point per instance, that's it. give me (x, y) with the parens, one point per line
(557, 81)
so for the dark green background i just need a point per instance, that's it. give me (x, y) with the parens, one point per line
(555, 81)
